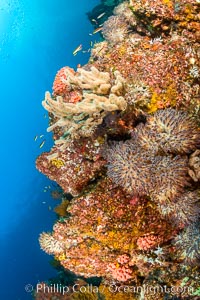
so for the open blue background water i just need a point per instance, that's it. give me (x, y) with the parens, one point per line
(36, 39)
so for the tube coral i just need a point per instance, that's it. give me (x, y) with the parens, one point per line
(120, 273)
(147, 242)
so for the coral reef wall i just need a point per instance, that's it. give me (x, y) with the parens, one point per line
(126, 130)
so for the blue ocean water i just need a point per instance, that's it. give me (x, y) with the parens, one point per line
(36, 39)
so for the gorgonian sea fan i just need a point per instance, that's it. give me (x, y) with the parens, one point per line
(174, 131)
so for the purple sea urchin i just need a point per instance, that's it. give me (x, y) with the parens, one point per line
(174, 131)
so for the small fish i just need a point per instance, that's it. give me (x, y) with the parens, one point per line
(45, 116)
(35, 138)
(91, 43)
(97, 30)
(86, 51)
(93, 20)
(49, 208)
(101, 15)
(79, 48)
(42, 144)
(41, 136)
(43, 202)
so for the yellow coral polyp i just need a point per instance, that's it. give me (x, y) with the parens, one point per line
(159, 101)
(153, 105)
(60, 257)
(168, 3)
(58, 163)
(122, 50)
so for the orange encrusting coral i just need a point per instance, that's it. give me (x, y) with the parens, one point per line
(109, 232)
(59, 86)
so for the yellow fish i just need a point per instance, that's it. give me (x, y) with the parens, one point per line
(93, 20)
(101, 15)
(42, 144)
(79, 48)
(97, 30)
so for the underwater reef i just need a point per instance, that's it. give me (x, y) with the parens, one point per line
(126, 155)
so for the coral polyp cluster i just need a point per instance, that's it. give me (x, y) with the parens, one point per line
(173, 131)
(59, 86)
(153, 163)
(128, 167)
(112, 228)
(74, 167)
(49, 244)
(142, 162)
(184, 209)
(126, 152)
(115, 29)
